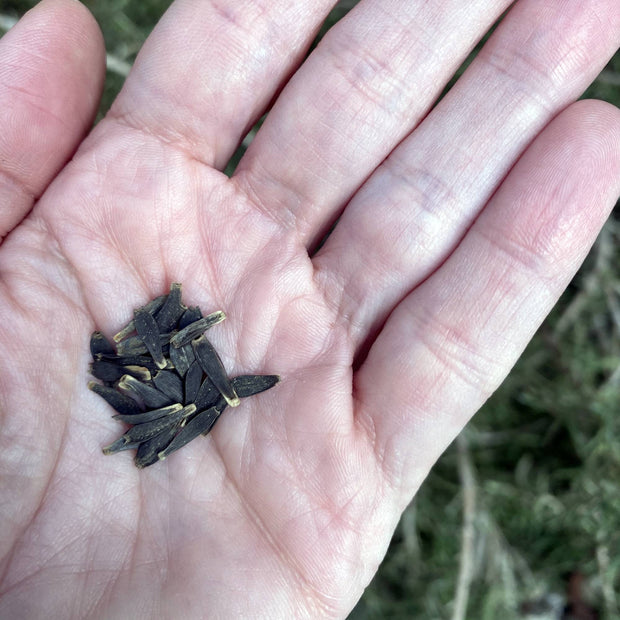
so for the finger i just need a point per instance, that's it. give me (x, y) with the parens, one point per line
(210, 68)
(52, 65)
(368, 83)
(417, 206)
(450, 343)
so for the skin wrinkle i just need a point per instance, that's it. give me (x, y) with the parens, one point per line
(520, 253)
(38, 102)
(177, 141)
(11, 180)
(366, 425)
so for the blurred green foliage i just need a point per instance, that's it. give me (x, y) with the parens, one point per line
(544, 450)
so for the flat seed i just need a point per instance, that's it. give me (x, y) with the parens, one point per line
(107, 371)
(169, 382)
(142, 432)
(148, 331)
(152, 307)
(143, 361)
(191, 315)
(148, 416)
(135, 346)
(100, 344)
(172, 310)
(149, 449)
(193, 378)
(207, 395)
(200, 424)
(182, 358)
(212, 365)
(195, 329)
(248, 385)
(121, 402)
(119, 445)
(150, 395)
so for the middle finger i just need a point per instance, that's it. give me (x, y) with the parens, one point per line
(369, 82)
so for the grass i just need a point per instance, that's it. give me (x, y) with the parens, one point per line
(528, 499)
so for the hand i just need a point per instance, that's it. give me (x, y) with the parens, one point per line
(458, 230)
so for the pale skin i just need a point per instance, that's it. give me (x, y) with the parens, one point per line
(458, 231)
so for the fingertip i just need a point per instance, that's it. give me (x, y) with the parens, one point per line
(67, 27)
(592, 121)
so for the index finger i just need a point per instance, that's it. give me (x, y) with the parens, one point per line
(209, 69)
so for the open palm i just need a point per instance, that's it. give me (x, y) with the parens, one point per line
(461, 229)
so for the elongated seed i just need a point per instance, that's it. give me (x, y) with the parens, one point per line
(121, 402)
(122, 443)
(193, 379)
(201, 423)
(135, 346)
(169, 382)
(212, 365)
(142, 432)
(191, 315)
(148, 416)
(144, 361)
(148, 450)
(148, 331)
(151, 307)
(150, 395)
(107, 371)
(248, 385)
(100, 344)
(172, 310)
(195, 329)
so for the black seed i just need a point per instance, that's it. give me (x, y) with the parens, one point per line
(190, 316)
(129, 360)
(148, 331)
(152, 308)
(195, 329)
(193, 377)
(182, 358)
(172, 310)
(142, 432)
(135, 346)
(212, 365)
(100, 344)
(169, 382)
(107, 371)
(149, 416)
(122, 443)
(207, 395)
(201, 423)
(149, 449)
(121, 402)
(248, 385)
(150, 395)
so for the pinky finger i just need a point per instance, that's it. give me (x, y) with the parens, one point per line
(451, 341)
(52, 66)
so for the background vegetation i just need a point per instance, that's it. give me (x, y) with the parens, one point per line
(521, 516)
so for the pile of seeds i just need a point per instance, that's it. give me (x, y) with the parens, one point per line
(165, 379)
